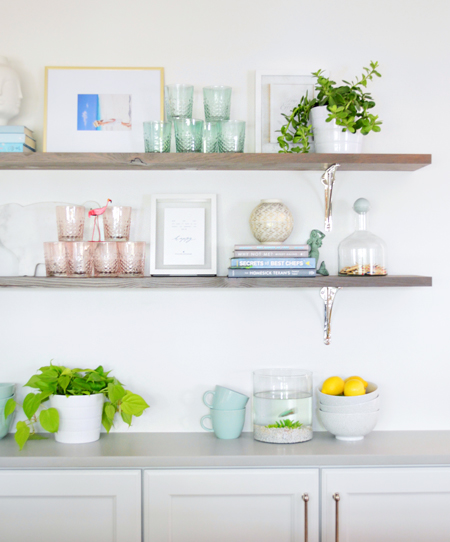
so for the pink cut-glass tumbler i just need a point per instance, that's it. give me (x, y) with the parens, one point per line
(106, 259)
(70, 222)
(116, 223)
(55, 259)
(131, 259)
(80, 259)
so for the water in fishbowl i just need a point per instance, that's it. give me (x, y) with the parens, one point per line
(282, 416)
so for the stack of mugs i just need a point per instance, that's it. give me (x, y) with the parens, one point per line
(227, 412)
(217, 133)
(114, 257)
(6, 393)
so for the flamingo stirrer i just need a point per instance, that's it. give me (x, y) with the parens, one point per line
(96, 213)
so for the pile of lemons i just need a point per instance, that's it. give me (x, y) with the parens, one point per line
(354, 385)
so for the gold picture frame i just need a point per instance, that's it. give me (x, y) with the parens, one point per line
(135, 93)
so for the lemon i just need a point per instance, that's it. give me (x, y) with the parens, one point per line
(333, 386)
(357, 378)
(353, 387)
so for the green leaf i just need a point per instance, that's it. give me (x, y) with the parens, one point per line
(133, 404)
(63, 381)
(37, 436)
(115, 392)
(31, 403)
(9, 407)
(106, 422)
(32, 383)
(49, 419)
(126, 418)
(110, 411)
(22, 434)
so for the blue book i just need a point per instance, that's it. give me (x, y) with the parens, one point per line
(16, 130)
(18, 138)
(272, 247)
(271, 273)
(15, 147)
(273, 263)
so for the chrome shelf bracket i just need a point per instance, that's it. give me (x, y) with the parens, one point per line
(328, 294)
(327, 179)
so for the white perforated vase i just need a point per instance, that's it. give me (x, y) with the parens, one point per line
(271, 222)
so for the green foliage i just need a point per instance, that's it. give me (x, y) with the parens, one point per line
(348, 106)
(289, 424)
(59, 380)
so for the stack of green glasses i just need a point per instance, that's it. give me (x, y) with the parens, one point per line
(217, 133)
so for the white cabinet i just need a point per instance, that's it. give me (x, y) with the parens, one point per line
(74, 506)
(387, 504)
(261, 505)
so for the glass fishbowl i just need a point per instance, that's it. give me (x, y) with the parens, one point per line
(282, 405)
(362, 253)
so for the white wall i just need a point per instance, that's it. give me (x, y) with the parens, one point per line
(172, 345)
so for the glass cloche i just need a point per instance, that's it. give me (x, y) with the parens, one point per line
(362, 253)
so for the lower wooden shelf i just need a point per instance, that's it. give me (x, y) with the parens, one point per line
(397, 281)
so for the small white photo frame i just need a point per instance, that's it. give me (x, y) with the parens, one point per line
(277, 93)
(183, 235)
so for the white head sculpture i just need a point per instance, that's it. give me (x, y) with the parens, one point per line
(10, 92)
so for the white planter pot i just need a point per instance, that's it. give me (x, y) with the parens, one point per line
(329, 138)
(80, 417)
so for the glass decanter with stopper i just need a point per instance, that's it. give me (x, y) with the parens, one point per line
(362, 253)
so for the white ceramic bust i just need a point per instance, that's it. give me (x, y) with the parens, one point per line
(10, 92)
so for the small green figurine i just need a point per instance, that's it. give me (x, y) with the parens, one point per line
(323, 270)
(315, 242)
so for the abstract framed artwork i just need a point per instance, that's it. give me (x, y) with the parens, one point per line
(100, 109)
(183, 235)
(277, 93)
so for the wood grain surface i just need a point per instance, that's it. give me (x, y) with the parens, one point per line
(398, 281)
(219, 161)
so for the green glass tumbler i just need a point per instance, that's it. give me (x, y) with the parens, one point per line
(217, 103)
(232, 136)
(179, 101)
(188, 135)
(210, 139)
(157, 136)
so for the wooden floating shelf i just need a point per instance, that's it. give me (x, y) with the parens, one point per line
(219, 161)
(396, 281)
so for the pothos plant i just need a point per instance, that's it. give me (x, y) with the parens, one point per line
(60, 380)
(349, 105)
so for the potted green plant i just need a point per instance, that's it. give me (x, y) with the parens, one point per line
(81, 400)
(337, 117)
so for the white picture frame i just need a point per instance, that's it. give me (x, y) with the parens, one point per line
(160, 237)
(100, 109)
(267, 108)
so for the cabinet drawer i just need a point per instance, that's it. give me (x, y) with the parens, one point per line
(391, 504)
(74, 506)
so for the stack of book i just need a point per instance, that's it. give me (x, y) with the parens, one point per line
(16, 139)
(272, 261)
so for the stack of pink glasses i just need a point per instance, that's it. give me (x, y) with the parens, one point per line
(114, 257)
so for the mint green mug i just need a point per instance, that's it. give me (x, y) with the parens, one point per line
(226, 424)
(225, 399)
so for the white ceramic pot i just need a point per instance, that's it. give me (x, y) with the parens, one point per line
(329, 138)
(271, 222)
(80, 417)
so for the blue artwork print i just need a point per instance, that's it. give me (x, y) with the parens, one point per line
(88, 112)
(104, 112)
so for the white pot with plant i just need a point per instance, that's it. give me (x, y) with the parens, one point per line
(81, 401)
(338, 117)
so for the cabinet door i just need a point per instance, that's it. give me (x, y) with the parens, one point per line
(230, 505)
(390, 504)
(74, 506)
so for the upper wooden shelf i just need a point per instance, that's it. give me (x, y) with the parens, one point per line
(396, 281)
(219, 161)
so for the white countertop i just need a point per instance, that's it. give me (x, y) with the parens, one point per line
(197, 450)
